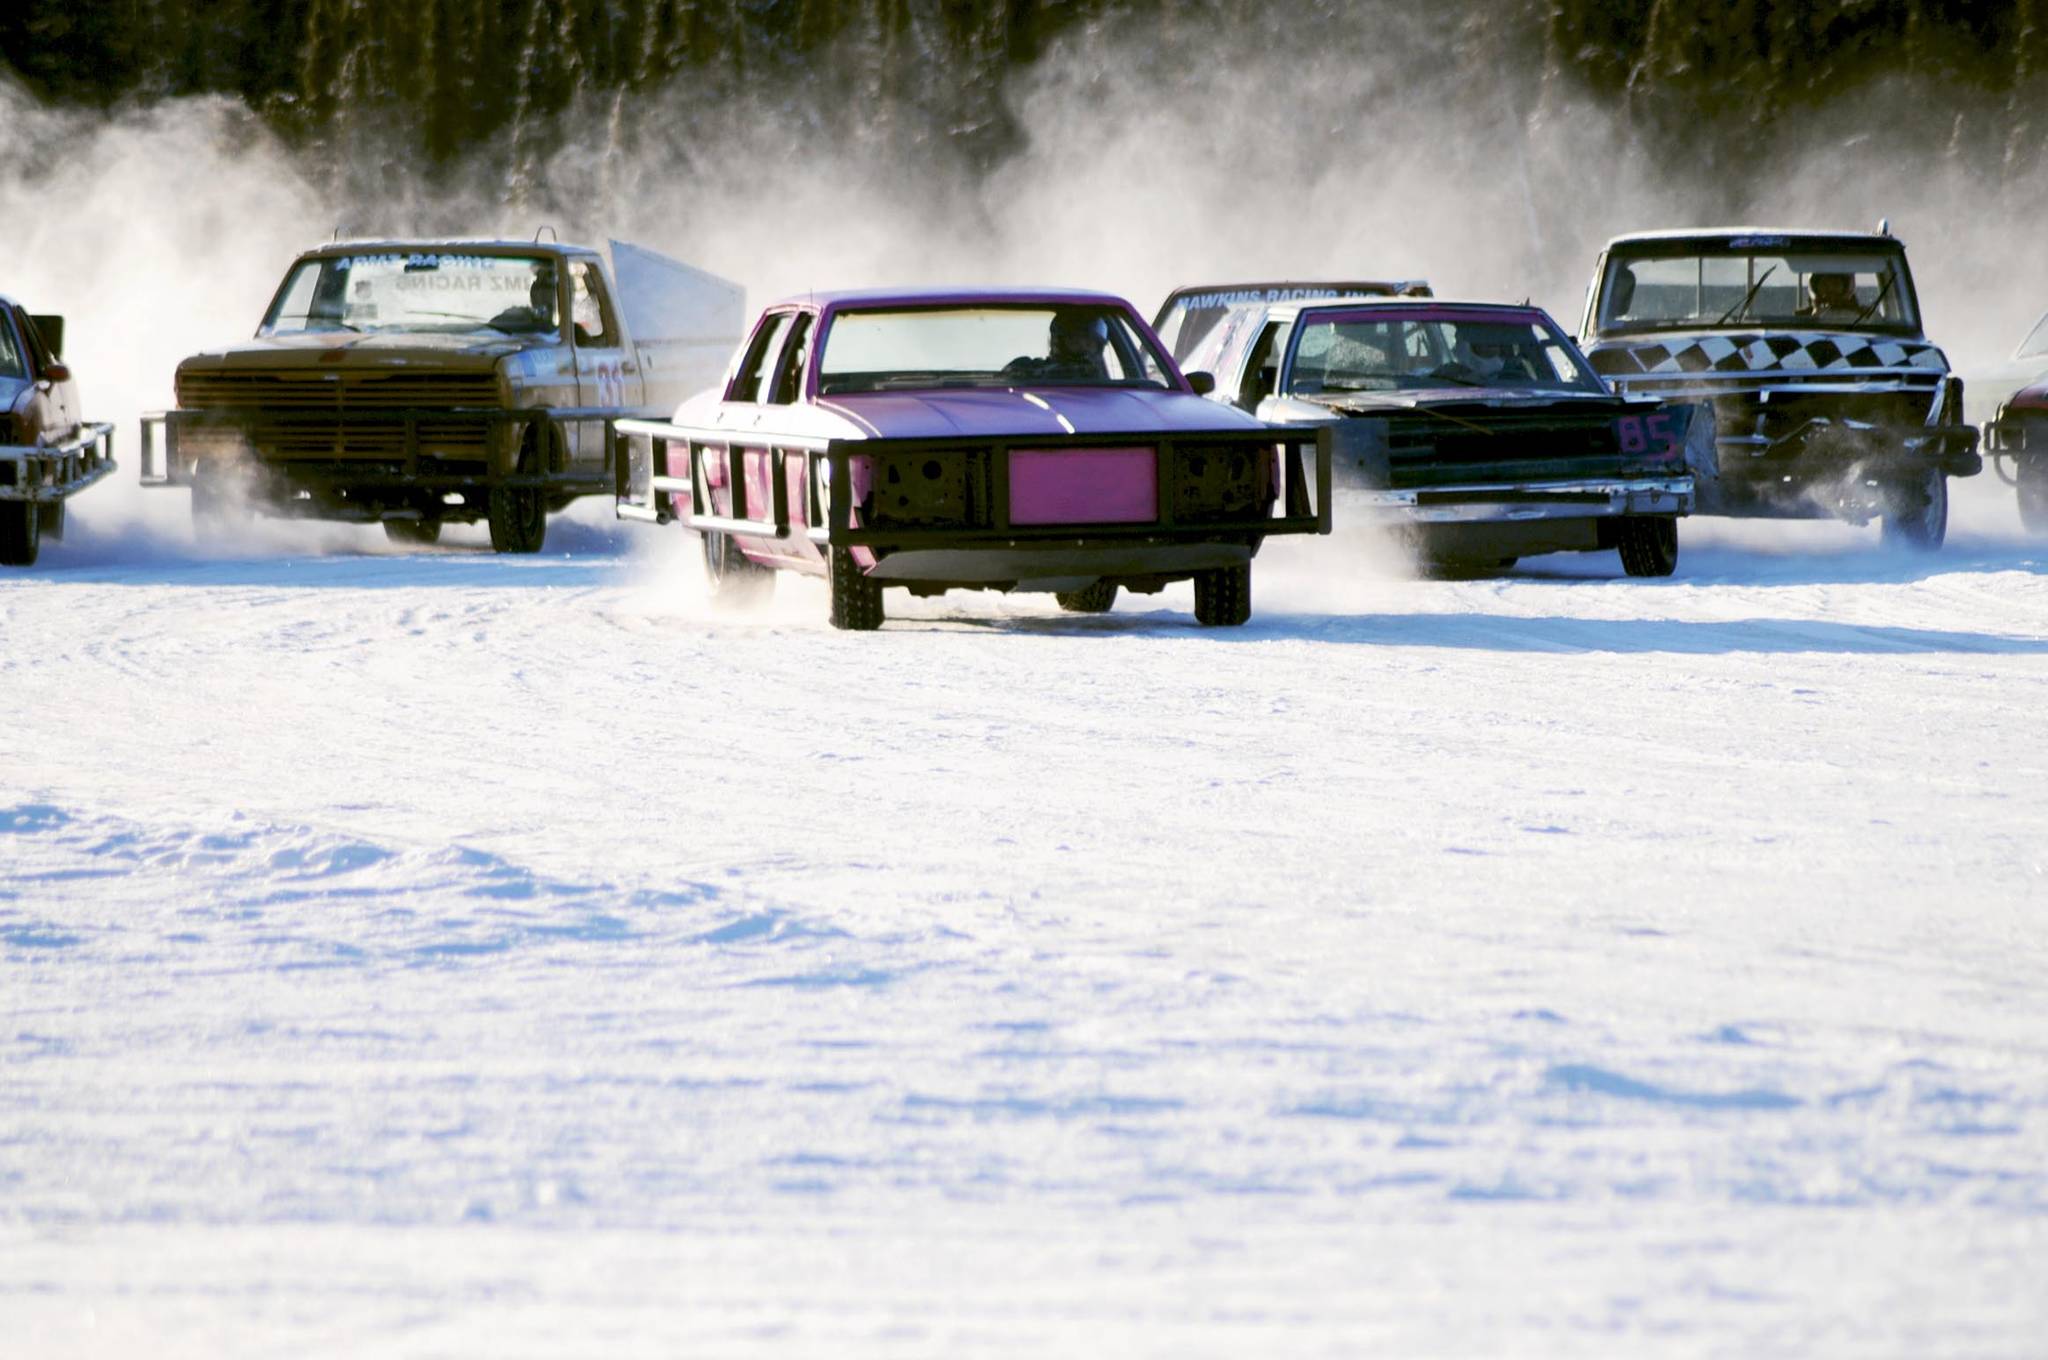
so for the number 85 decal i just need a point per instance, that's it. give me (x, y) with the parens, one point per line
(1647, 434)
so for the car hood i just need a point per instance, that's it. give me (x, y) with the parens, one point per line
(1735, 353)
(393, 349)
(1032, 411)
(1477, 399)
(2032, 397)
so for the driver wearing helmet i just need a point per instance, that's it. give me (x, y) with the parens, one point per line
(1834, 298)
(1074, 349)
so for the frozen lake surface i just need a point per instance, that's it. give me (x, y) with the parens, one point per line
(444, 955)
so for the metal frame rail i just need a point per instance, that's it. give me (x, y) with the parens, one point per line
(46, 474)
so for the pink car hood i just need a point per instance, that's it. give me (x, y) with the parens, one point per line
(992, 412)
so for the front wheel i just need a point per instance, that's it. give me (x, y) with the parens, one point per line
(519, 514)
(1095, 599)
(856, 596)
(735, 578)
(1919, 517)
(414, 533)
(1223, 597)
(1648, 544)
(2032, 479)
(21, 533)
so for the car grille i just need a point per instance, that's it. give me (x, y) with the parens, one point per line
(343, 414)
(1482, 444)
(335, 390)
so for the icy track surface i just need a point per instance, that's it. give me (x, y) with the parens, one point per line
(444, 955)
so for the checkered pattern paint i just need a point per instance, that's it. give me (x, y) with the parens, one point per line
(1780, 352)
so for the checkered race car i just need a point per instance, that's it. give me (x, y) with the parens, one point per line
(1830, 401)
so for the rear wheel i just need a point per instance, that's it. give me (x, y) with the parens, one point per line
(735, 578)
(1919, 516)
(1095, 599)
(1648, 544)
(519, 514)
(1223, 597)
(418, 533)
(856, 596)
(21, 533)
(2032, 478)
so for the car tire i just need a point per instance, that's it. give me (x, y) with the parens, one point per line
(414, 533)
(1099, 598)
(2032, 479)
(856, 596)
(1223, 597)
(1648, 544)
(519, 514)
(735, 578)
(1921, 521)
(21, 533)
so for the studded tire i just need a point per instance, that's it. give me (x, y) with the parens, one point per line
(734, 577)
(1099, 598)
(413, 533)
(856, 596)
(1648, 544)
(1223, 597)
(21, 534)
(519, 514)
(1919, 518)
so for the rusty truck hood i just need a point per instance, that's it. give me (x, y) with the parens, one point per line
(372, 349)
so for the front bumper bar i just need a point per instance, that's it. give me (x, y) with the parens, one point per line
(46, 474)
(1301, 504)
(1513, 503)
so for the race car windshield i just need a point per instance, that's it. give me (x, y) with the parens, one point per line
(1396, 351)
(1782, 288)
(1012, 345)
(431, 292)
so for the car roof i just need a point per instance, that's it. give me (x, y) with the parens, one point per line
(946, 296)
(1804, 235)
(387, 245)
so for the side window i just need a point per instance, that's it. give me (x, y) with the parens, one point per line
(592, 309)
(796, 356)
(13, 363)
(1262, 365)
(753, 373)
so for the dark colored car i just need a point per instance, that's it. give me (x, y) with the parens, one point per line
(48, 452)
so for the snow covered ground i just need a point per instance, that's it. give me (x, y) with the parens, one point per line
(438, 954)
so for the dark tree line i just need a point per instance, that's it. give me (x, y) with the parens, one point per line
(452, 75)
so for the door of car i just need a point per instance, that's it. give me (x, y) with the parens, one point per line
(607, 371)
(51, 408)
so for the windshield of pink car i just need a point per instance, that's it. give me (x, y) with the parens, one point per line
(1388, 350)
(988, 345)
(447, 293)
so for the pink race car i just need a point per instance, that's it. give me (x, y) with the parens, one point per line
(1007, 440)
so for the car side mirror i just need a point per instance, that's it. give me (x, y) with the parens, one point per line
(1201, 384)
(57, 373)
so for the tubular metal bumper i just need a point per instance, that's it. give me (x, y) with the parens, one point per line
(1301, 504)
(49, 473)
(1507, 503)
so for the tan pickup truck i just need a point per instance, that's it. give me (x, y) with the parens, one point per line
(47, 452)
(416, 383)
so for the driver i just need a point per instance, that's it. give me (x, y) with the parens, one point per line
(1834, 297)
(538, 315)
(1073, 349)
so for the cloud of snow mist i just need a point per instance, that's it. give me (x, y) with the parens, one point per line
(1391, 140)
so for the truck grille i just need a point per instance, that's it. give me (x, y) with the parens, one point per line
(336, 390)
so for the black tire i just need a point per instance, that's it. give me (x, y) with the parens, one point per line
(2032, 479)
(21, 533)
(219, 505)
(856, 596)
(1648, 544)
(416, 533)
(519, 514)
(735, 578)
(1223, 597)
(1099, 598)
(1919, 518)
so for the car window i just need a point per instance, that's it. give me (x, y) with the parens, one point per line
(754, 370)
(1262, 366)
(2035, 346)
(789, 374)
(591, 308)
(12, 362)
(991, 344)
(37, 357)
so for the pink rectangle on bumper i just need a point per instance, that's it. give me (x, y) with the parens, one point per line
(1084, 486)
